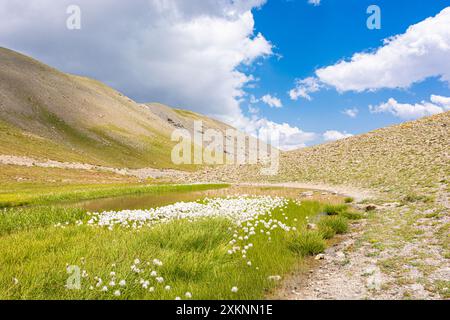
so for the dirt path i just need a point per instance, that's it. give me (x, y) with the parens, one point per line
(399, 252)
(357, 194)
(143, 173)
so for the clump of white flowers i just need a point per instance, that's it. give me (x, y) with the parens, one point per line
(252, 218)
(237, 209)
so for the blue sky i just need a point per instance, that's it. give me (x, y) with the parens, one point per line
(298, 66)
(309, 37)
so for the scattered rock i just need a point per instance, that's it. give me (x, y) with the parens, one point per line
(340, 255)
(311, 226)
(320, 256)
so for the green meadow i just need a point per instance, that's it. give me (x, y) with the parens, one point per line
(44, 251)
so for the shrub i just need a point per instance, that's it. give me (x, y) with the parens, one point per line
(307, 243)
(333, 210)
(349, 200)
(338, 223)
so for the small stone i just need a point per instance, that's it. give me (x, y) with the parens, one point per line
(320, 256)
(311, 226)
(340, 255)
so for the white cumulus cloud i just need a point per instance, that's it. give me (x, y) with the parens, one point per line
(423, 51)
(333, 135)
(314, 2)
(304, 87)
(440, 100)
(186, 54)
(408, 111)
(271, 101)
(285, 136)
(352, 113)
(178, 52)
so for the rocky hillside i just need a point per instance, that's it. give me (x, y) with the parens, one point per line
(409, 159)
(413, 157)
(47, 114)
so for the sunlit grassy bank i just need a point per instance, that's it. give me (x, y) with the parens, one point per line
(195, 256)
(49, 194)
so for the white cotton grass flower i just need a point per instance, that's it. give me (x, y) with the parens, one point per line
(167, 288)
(234, 289)
(145, 284)
(104, 289)
(160, 279)
(153, 274)
(122, 283)
(112, 274)
(15, 281)
(117, 293)
(157, 262)
(240, 210)
(99, 282)
(151, 289)
(188, 295)
(177, 298)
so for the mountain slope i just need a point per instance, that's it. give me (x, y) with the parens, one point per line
(45, 113)
(409, 158)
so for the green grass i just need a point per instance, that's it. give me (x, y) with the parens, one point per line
(326, 231)
(333, 210)
(194, 254)
(342, 210)
(25, 219)
(102, 145)
(349, 200)
(337, 224)
(25, 144)
(48, 195)
(306, 243)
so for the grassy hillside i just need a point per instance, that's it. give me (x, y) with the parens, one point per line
(48, 114)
